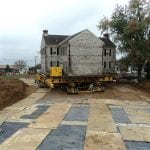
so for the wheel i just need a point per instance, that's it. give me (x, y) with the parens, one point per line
(39, 84)
(76, 90)
(68, 90)
(102, 88)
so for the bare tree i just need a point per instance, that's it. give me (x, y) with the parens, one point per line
(20, 64)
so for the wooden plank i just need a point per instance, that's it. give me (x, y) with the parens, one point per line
(26, 111)
(100, 119)
(43, 90)
(118, 102)
(52, 117)
(138, 114)
(25, 139)
(103, 141)
(77, 123)
(9, 112)
(28, 101)
(135, 133)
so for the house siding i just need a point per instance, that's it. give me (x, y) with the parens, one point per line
(47, 58)
(85, 54)
(108, 59)
(43, 55)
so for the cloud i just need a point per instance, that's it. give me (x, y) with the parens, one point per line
(22, 22)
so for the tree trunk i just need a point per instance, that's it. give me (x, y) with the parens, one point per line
(148, 70)
(139, 72)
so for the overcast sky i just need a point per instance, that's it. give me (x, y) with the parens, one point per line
(22, 22)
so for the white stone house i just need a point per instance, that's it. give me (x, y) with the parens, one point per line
(81, 54)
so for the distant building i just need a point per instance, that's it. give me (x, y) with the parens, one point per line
(12, 68)
(80, 54)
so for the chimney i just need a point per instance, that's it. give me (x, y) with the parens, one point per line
(106, 35)
(45, 32)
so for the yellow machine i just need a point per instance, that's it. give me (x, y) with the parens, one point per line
(55, 71)
(72, 84)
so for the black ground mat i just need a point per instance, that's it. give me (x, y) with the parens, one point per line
(41, 109)
(65, 137)
(9, 128)
(76, 113)
(119, 115)
(134, 145)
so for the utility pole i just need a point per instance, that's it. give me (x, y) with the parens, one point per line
(35, 63)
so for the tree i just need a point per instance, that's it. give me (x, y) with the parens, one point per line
(130, 25)
(7, 69)
(104, 25)
(34, 69)
(20, 64)
(123, 63)
(38, 66)
(147, 69)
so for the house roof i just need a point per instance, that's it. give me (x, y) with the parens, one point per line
(70, 37)
(54, 39)
(107, 42)
(63, 39)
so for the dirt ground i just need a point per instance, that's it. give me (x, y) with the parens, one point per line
(116, 119)
(120, 91)
(13, 90)
(145, 86)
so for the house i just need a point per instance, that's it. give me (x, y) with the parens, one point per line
(109, 54)
(79, 55)
(12, 68)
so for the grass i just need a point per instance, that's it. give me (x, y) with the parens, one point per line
(16, 76)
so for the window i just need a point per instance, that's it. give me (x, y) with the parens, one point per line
(105, 64)
(65, 66)
(51, 65)
(110, 64)
(109, 52)
(57, 63)
(104, 52)
(57, 50)
(54, 63)
(60, 51)
(63, 51)
(51, 51)
(117, 68)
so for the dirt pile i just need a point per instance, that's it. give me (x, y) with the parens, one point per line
(11, 91)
